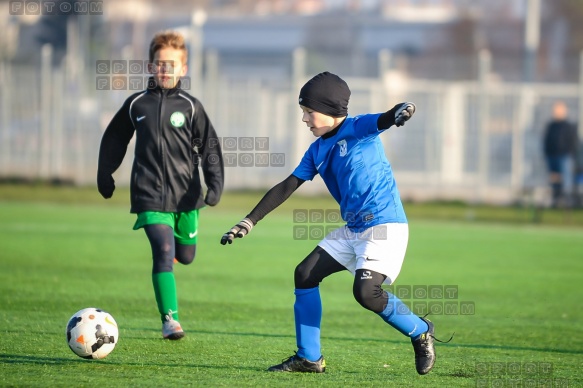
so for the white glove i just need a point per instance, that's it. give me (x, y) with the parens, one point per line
(238, 231)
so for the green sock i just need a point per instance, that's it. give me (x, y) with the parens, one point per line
(165, 290)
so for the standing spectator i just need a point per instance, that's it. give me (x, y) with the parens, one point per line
(578, 190)
(560, 148)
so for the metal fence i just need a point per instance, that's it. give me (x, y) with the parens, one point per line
(475, 140)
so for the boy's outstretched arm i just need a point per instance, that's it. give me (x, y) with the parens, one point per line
(271, 200)
(397, 115)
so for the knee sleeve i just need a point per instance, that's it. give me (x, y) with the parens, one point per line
(367, 290)
(304, 278)
(315, 267)
(185, 253)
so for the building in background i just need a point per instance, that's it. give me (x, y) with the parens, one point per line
(430, 39)
(474, 138)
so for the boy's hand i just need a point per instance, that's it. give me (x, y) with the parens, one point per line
(211, 198)
(403, 112)
(105, 184)
(238, 231)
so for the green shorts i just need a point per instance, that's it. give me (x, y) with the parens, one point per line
(185, 224)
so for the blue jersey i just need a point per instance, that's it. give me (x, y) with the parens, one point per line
(356, 171)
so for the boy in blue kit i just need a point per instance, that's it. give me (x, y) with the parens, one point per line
(350, 158)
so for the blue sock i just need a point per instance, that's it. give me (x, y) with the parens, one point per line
(398, 315)
(308, 316)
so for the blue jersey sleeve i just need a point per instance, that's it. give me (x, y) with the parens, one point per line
(306, 170)
(366, 125)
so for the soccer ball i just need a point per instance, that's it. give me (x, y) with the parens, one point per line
(92, 333)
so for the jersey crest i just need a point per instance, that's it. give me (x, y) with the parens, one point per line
(177, 119)
(343, 147)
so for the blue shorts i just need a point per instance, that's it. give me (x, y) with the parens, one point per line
(556, 163)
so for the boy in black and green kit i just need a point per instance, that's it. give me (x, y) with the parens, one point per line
(174, 136)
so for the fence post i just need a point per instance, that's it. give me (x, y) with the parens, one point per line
(212, 82)
(298, 78)
(45, 103)
(452, 152)
(485, 64)
(299, 67)
(57, 140)
(580, 121)
(5, 110)
(531, 38)
(378, 93)
(70, 89)
(384, 59)
(198, 20)
(522, 123)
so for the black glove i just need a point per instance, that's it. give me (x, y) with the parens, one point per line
(238, 231)
(105, 184)
(211, 198)
(403, 112)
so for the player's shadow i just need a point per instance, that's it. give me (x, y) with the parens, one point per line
(16, 359)
(384, 340)
(25, 359)
(380, 340)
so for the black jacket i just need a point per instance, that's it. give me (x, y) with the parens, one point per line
(173, 137)
(561, 139)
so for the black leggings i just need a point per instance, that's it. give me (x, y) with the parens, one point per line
(165, 248)
(367, 284)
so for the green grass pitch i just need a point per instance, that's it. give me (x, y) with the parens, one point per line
(236, 302)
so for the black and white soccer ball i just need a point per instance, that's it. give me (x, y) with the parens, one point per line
(92, 333)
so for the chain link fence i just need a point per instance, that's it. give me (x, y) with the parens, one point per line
(469, 140)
